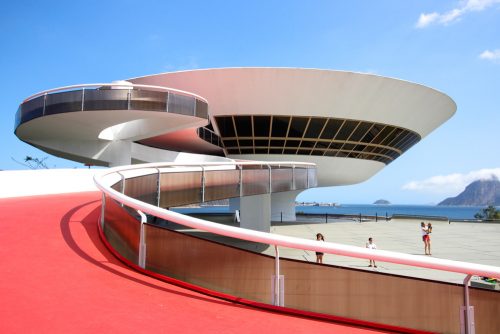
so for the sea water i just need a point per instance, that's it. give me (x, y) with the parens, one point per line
(450, 212)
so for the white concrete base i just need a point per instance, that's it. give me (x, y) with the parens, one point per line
(256, 212)
(283, 205)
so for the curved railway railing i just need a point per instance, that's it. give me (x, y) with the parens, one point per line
(131, 193)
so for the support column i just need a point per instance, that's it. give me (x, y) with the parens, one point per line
(283, 205)
(119, 153)
(255, 212)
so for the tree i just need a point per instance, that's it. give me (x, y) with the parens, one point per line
(488, 213)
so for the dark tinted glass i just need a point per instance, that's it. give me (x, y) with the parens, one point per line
(346, 130)
(280, 143)
(225, 125)
(382, 135)
(372, 133)
(243, 126)
(261, 126)
(280, 126)
(292, 143)
(315, 127)
(306, 143)
(331, 128)
(246, 142)
(66, 102)
(261, 142)
(360, 131)
(297, 127)
(230, 143)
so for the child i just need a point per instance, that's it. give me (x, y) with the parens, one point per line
(371, 245)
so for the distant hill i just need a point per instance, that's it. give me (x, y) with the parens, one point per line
(382, 202)
(478, 193)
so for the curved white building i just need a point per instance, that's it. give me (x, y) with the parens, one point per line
(349, 124)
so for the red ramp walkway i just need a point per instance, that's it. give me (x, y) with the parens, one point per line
(56, 276)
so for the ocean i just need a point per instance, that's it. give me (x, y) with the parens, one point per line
(450, 212)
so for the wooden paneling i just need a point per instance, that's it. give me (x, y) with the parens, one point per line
(144, 188)
(122, 230)
(221, 184)
(180, 188)
(208, 264)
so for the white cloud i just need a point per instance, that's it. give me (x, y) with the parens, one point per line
(455, 14)
(491, 55)
(453, 183)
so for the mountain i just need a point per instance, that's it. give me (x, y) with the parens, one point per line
(478, 193)
(382, 202)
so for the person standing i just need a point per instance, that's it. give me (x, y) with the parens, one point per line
(425, 237)
(429, 231)
(371, 245)
(319, 255)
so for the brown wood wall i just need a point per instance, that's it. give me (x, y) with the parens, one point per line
(122, 230)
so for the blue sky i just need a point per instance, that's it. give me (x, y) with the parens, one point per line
(452, 46)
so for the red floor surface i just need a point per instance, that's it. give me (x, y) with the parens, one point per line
(56, 276)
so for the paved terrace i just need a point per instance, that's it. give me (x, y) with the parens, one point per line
(468, 242)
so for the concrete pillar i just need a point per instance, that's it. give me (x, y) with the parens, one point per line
(255, 212)
(283, 203)
(119, 153)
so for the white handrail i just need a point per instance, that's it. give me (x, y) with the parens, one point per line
(291, 242)
(117, 84)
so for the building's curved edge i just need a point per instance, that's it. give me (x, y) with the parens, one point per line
(300, 68)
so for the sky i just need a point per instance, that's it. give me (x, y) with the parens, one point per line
(452, 46)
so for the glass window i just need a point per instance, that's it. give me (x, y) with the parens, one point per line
(230, 143)
(332, 127)
(307, 143)
(225, 125)
(317, 152)
(233, 151)
(277, 143)
(243, 126)
(393, 137)
(322, 144)
(72, 101)
(289, 151)
(261, 126)
(382, 135)
(360, 131)
(261, 142)
(336, 146)
(280, 126)
(348, 147)
(303, 152)
(181, 104)
(246, 142)
(346, 130)
(292, 143)
(297, 127)
(247, 151)
(372, 133)
(275, 151)
(315, 127)
(261, 151)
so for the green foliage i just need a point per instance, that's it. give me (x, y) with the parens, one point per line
(488, 213)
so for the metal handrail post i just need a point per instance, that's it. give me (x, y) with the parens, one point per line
(469, 321)
(142, 241)
(158, 188)
(202, 184)
(276, 276)
(103, 208)
(270, 179)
